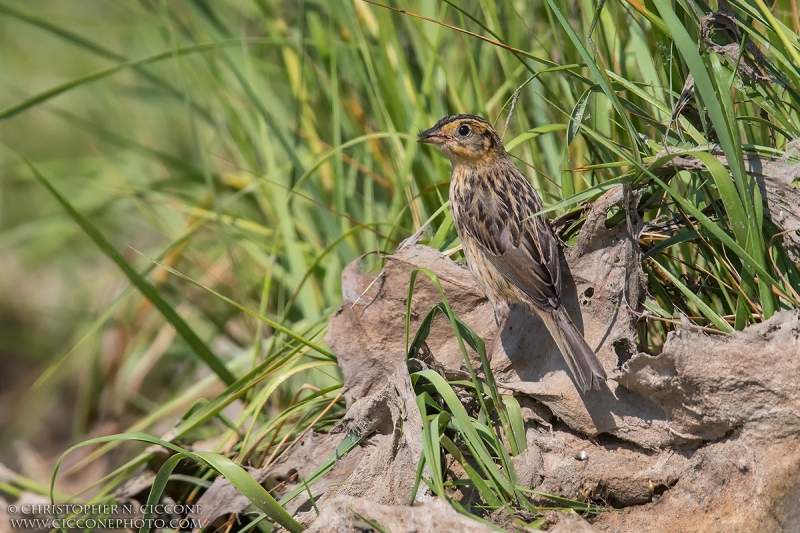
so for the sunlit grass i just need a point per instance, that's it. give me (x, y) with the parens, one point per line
(231, 158)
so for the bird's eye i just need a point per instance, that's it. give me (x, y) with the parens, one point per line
(464, 130)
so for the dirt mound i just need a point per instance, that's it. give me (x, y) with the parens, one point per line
(703, 437)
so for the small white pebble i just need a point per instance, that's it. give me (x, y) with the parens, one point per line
(581, 455)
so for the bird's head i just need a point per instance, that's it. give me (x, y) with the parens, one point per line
(465, 139)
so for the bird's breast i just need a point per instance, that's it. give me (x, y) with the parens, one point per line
(482, 207)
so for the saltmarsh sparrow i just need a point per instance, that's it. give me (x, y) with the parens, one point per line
(511, 251)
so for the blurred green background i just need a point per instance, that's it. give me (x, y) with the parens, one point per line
(257, 147)
(217, 158)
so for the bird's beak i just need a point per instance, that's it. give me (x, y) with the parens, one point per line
(433, 136)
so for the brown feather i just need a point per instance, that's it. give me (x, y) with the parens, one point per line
(510, 249)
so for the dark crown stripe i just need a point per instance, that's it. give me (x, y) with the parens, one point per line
(453, 118)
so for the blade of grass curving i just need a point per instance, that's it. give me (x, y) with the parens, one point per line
(653, 306)
(479, 483)
(259, 401)
(767, 124)
(709, 224)
(318, 400)
(100, 50)
(514, 413)
(463, 332)
(716, 99)
(709, 313)
(157, 490)
(786, 41)
(481, 426)
(580, 507)
(524, 53)
(532, 134)
(587, 194)
(349, 442)
(578, 113)
(431, 452)
(208, 411)
(199, 416)
(145, 287)
(271, 323)
(423, 330)
(322, 159)
(234, 473)
(464, 424)
(49, 94)
(685, 236)
(253, 490)
(601, 77)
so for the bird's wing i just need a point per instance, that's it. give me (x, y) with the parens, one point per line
(518, 244)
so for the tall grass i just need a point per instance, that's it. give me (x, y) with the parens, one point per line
(231, 158)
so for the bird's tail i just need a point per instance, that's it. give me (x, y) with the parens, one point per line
(581, 360)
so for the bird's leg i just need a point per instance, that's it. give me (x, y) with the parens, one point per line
(501, 314)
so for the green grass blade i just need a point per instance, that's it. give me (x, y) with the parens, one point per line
(237, 475)
(709, 313)
(473, 440)
(599, 75)
(49, 94)
(157, 489)
(145, 287)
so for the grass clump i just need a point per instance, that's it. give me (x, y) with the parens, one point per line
(230, 159)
